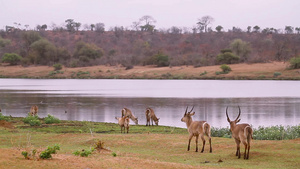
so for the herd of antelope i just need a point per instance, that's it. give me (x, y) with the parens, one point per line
(240, 132)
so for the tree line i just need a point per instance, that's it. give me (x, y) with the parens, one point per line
(144, 45)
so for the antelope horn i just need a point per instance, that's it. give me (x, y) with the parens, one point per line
(239, 114)
(228, 119)
(191, 110)
(186, 109)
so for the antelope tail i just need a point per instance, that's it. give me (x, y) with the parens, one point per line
(248, 133)
(206, 129)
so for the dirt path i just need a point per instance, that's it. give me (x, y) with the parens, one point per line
(239, 71)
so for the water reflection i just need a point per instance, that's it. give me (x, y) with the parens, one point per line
(263, 103)
(256, 111)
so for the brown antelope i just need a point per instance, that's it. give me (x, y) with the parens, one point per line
(241, 133)
(34, 110)
(126, 112)
(196, 128)
(123, 123)
(150, 115)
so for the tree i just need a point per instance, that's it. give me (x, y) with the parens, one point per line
(256, 29)
(204, 22)
(241, 48)
(100, 27)
(42, 52)
(4, 42)
(249, 29)
(92, 27)
(77, 25)
(44, 27)
(11, 58)
(70, 25)
(219, 28)
(85, 52)
(161, 59)
(149, 21)
(227, 57)
(30, 37)
(289, 29)
(297, 29)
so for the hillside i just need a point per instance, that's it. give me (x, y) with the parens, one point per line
(259, 71)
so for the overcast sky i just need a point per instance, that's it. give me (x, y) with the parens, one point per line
(167, 13)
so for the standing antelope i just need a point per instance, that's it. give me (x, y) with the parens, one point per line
(34, 110)
(126, 112)
(241, 133)
(196, 128)
(150, 115)
(123, 123)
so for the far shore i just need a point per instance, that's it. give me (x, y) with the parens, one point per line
(257, 71)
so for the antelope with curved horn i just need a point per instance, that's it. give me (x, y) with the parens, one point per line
(241, 133)
(196, 128)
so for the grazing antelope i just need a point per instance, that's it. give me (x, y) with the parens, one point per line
(34, 110)
(196, 128)
(123, 123)
(241, 133)
(126, 112)
(150, 115)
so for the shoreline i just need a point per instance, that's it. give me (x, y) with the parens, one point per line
(257, 71)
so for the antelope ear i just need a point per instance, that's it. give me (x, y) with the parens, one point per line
(192, 114)
(237, 120)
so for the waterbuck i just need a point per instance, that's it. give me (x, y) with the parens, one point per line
(196, 128)
(241, 133)
(123, 123)
(150, 115)
(34, 110)
(126, 112)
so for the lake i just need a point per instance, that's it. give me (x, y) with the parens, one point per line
(263, 103)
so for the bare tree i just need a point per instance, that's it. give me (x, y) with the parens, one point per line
(204, 22)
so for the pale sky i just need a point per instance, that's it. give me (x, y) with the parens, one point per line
(167, 13)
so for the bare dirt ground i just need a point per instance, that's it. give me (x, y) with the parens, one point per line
(239, 71)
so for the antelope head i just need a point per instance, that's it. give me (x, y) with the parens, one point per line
(156, 121)
(187, 115)
(234, 122)
(136, 121)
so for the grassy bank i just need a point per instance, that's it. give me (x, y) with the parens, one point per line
(143, 147)
(259, 71)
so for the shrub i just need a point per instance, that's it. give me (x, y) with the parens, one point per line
(276, 74)
(32, 120)
(225, 68)
(227, 58)
(57, 66)
(6, 118)
(295, 63)
(11, 58)
(114, 154)
(51, 119)
(277, 133)
(83, 153)
(46, 154)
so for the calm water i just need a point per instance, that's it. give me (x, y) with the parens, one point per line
(263, 103)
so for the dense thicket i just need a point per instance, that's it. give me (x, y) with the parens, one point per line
(129, 48)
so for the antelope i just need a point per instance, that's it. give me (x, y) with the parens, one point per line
(126, 112)
(34, 110)
(196, 128)
(150, 115)
(241, 133)
(123, 123)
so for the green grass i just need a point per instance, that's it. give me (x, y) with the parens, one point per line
(155, 143)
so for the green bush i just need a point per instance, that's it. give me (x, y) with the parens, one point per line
(57, 66)
(51, 119)
(46, 154)
(227, 58)
(83, 153)
(11, 58)
(277, 133)
(2, 117)
(276, 74)
(32, 120)
(225, 68)
(295, 63)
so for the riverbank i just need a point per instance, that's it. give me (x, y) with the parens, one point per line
(258, 71)
(138, 149)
